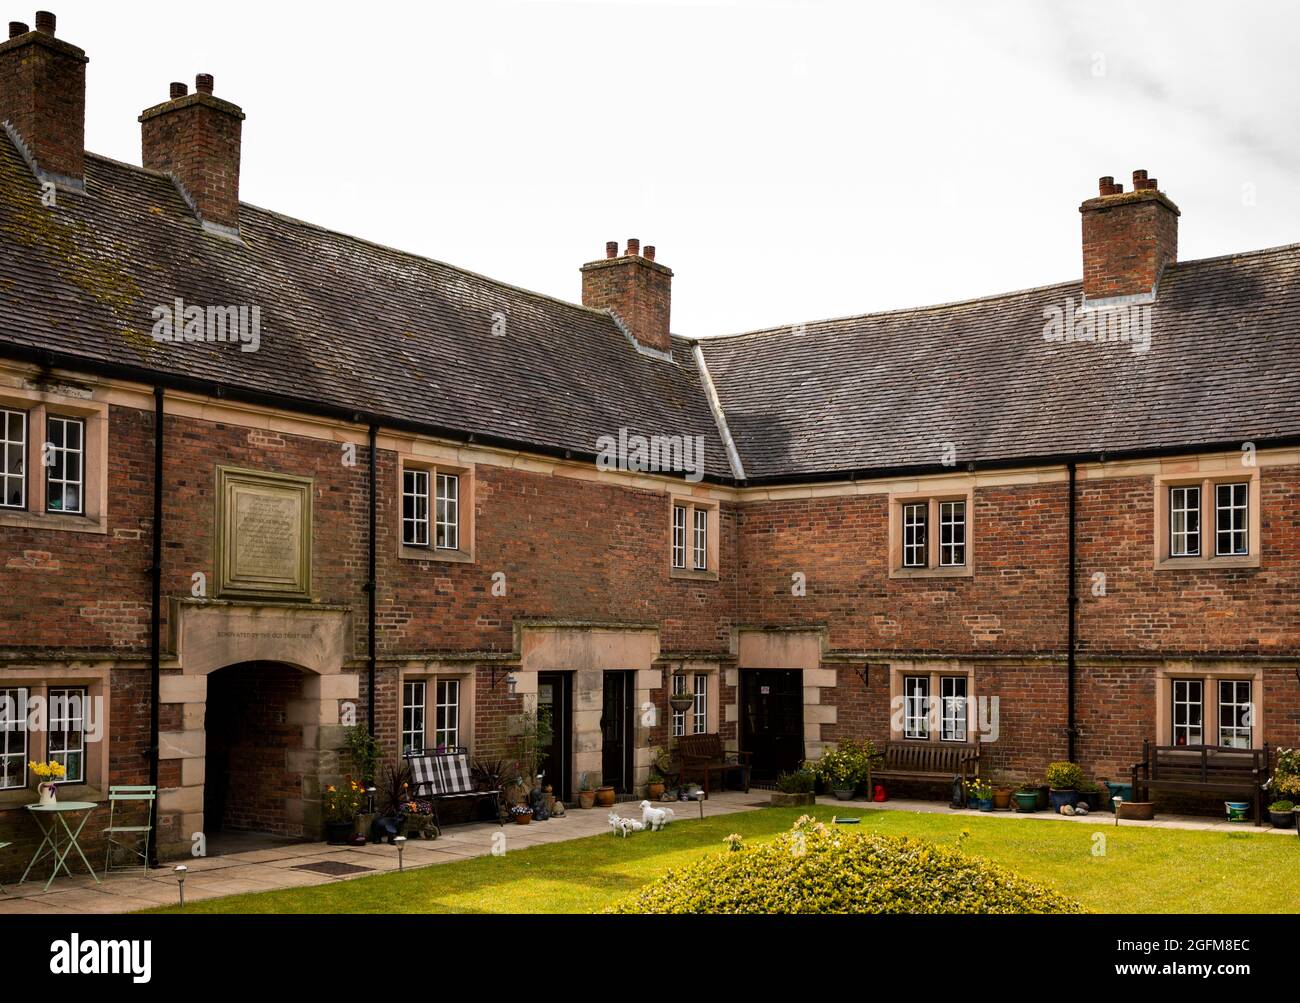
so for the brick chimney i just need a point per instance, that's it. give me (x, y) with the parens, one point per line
(636, 288)
(1128, 239)
(43, 99)
(195, 138)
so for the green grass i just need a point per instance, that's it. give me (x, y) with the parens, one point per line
(1142, 869)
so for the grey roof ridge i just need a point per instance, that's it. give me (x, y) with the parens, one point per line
(975, 300)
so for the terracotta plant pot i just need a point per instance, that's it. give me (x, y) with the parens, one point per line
(1002, 798)
(654, 790)
(586, 799)
(523, 818)
(605, 797)
(1137, 811)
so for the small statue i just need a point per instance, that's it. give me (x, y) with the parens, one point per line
(655, 818)
(557, 809)
(622, 826)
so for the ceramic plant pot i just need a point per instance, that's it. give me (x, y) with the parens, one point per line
(1026, 801)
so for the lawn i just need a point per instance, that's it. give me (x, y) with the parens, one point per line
(1141, 869)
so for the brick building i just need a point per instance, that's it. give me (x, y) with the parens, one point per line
(257, 477)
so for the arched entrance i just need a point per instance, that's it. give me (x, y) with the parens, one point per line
(255, 758)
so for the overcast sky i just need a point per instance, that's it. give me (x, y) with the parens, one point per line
(790, 160)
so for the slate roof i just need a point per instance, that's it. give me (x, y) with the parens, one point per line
(345, 323)
(363, 328)
(888, 391)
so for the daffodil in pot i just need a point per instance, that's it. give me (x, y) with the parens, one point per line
(49, 775)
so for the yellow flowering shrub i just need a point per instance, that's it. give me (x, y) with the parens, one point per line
(826, 869)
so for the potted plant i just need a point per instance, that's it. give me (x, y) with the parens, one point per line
(1001, 796)
(654, 788)
(586, 793)
(1064, 779)
(1282, 814)
(419, 820)
(795, 789)
(340, 806)
(606, 796)
(683, 701)
(846, 767)
(1091, 794)
(50, 774)
(979, 794)
(522, 814)
(1026, 797)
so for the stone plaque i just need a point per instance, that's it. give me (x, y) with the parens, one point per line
(263, 535)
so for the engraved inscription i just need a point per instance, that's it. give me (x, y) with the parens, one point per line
(266, 536)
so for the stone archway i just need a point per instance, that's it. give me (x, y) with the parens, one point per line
(299, 651)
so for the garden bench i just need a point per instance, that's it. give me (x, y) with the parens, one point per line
(705, 755)
(445, 775)
(928, 762)
(1203, 769)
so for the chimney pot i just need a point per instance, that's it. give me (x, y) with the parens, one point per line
(633, 247)
(203, 83)
(45, 21)
(1104, 185)
(178, 90)
(611, 248)
(17, 28)
(650, 252)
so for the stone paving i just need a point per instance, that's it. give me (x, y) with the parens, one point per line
(274, 868)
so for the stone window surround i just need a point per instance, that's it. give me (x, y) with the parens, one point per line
(38, 404)
(466, 676)
(691, 503)
(1199, 475)
(38, 681)
(464, 508)
(935, 672)
(1210, 676)
(959, 492)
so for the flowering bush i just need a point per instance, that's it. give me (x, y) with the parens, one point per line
(1064, 776)
(418, 806)
(847, 765)
(816, 868)
(1286, 776)
(521, 809)
(342, 805)
(734, 841)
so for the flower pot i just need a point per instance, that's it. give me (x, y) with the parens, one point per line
(48, 793)
(522, 817)
(843, 793)
(1044, 799)
(1061, 798)
(1113, 791)
(1137, 811)
(1026, 801)
(1092, 799)
(681, 704)
(586, 799)
(985, 804)
(1002, 798)
(654, 790)
(605, 797)
(340, 833)
(1281, 819)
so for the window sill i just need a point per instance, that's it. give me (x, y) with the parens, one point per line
(18, 800)
(690, 575)
(51, 521)
(965, 571)
(1207, 563)
(431, 555)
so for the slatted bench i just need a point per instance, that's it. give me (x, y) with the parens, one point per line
(1203, 769)
(929, 762)
(704, 755)
(445, 775)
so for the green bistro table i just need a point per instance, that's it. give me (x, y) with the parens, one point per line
(49, 818)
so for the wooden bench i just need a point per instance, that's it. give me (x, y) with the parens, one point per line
(445, 775)
(704, 754)
(1203, 769)
(929, 762)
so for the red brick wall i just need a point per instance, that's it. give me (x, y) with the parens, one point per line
(43, 95)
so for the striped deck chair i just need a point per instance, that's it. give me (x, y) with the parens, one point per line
(444, 775)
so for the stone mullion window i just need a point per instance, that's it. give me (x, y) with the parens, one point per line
(414, 695)
(67, 737)
(13, 739)
(13, 459)
(1231, 506)
(1236, 713)
(1185, 521)
(700, 716)
(447, 713)
(953, 697)
(679, 536)
(916, 707)
(415, 508)
(1210, 520)
(1188, 712)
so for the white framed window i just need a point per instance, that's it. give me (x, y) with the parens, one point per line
(1231, 509)
(67, 735)
(701, 710)
(447, 526)
(952, 534)
(413, 710)
(13, 739)
(65, 475)
(1236, 713)
(952, 693)
(415, 508)
(679, 716)
(701, 539)
(916, 707)
(1188, 711)
(13, 459)
(1185, 521)
(446, 722)
(915, 535)
(679, 536)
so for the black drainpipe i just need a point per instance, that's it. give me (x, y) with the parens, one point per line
(155, 620)
(1074, 605)
(370, 583)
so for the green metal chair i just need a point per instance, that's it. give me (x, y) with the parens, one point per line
(120, 795)
(2, 887)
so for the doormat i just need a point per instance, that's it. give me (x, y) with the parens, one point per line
(334, 868)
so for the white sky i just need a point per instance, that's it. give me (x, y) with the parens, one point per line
(790, 160)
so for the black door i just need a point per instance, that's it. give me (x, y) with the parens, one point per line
(555, 695)
(772, 722)
(616, 732)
